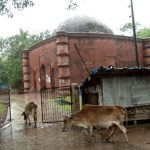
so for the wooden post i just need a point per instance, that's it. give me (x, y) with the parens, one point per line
(75, 97)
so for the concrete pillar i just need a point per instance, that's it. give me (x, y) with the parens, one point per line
(25, 61)
(63, 59)
(75, 97)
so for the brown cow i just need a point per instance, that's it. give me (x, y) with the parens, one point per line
(30, 109)
(98, 116)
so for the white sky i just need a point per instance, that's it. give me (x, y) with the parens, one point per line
(47, 14)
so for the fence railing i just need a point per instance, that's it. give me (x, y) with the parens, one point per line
(5, 107)
(55, 103)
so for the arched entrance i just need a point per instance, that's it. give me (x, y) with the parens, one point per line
(43, 77)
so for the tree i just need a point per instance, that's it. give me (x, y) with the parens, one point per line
(6, 6)
(144, 33)
(128, 28)
(72, 5)
(12, 55)
(3, 74)
(141, 32)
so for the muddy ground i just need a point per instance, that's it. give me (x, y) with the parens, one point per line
(17, 136)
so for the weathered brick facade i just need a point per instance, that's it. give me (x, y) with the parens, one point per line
(55, 61)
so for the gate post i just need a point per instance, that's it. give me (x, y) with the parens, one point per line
(75, 97)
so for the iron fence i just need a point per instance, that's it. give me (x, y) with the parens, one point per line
(55, 103)
(5, 107)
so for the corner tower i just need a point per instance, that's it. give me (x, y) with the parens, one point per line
(63, 59)
(25, 62)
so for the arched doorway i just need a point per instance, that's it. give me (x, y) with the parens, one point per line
(43, 77)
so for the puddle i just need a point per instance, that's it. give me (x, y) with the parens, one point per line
(17, 136)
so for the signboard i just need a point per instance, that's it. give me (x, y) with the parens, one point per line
(4, 86)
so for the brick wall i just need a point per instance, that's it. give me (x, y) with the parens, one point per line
(96, 50)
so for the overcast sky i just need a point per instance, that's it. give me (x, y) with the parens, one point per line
(47, 14)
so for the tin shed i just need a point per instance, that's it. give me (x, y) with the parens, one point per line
(129, 87)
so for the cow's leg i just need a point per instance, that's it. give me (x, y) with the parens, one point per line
(90, 133)
(25, 118)
(35, 121)
(110, 132)
(124, 130)
(29, 120)
(26, 122)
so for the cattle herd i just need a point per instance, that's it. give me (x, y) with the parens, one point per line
(88, 117)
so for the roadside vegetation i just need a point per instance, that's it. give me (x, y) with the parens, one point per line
(11, 56)
(2, 109)
(3, 113)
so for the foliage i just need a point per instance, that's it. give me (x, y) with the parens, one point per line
(11, 55)
(2, 109)
(72, 5)
(143, 33)
(3, 74)
(126, 27)
(129, 28)
(6, 6)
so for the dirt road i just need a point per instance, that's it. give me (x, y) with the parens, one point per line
(17, 136)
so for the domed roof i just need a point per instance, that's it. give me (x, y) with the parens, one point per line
(83, 24)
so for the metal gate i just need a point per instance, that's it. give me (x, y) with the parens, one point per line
(55, 103)
(5, 109)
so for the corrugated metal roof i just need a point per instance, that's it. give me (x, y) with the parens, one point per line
(112, 72)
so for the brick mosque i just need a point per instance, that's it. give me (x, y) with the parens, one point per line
(55, 62)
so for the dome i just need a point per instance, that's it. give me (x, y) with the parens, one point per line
(83, 24)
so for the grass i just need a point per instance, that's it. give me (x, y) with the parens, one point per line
(64, 102)
(2, 109)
